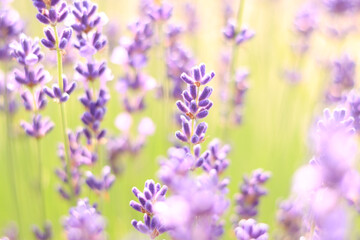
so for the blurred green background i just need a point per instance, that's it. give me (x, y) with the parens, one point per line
(273, 136)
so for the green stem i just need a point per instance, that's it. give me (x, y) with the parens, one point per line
(62, 113)
(41, 187)
(10, 159)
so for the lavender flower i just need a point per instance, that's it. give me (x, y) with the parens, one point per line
(160, 13)
(194, 211)
(217, 158)
(10, 28)
(339, 6)
(43, 235)
(60, 95)
(50, 40)
(251, 230)
(353, 105)
(34, 102)
(51, 11)
(84, 222)
(86, 15)
(240, 37)
(290, 218)
(38, 128)
(152, 194)
(102, 184)
(305, 20)
(95, 112)
(251, 191)
(11, 89)
(27, 51)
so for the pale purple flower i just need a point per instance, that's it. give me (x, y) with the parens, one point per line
(84, 222)
(251, 230)
(39, 127)
(104, 183)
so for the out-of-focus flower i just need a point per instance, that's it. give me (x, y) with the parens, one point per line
(102, 184)
(84, 222)
(251, 191)
(251, 230)
(152, 194)
(339, 6)
(58, 94)
(43, 235)
(39, 127)
(305, 20)
(230, 32)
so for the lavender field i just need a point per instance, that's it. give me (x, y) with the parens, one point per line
(179, 119)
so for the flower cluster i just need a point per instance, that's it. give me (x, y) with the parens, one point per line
(84, 222)
(240, 36)
(251, 230)
(251, 191)
(152, 194)
(195, 105)
(78, 156)
(102, 184)
(27, 53)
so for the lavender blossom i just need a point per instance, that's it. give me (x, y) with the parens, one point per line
(43, 235)
(339, 6)
(84, 222)
(217, 158)
(251, 230)
(290, 218)
(50, 39)
(60, 95)
(305, 21)
(10, 28)
(27, 51)
(38, 128)
(230, 32)
(152, 194)
(86, 15)
(160, 13)
(95, 112)
(102, 184)
(194, 211)
(251, 191)
(51, 11)
(11, 88)
(34, 102)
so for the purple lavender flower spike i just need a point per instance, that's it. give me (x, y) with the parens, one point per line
(102, 184)
(60, 95)
(43, 235)
(305, 20)
(251, 230)
(49, 13)
(152, 194)
(244, 35)
(344, 71)
(31, 104)
(199, 77)
(339, 6)
(38, 128)
(251, 191)
(10, 28)
(160, 13)
(289, 216)
(27, 51)
(86, 15)
(217, 158)
(239, 36)
(84, 222)
(353, 104)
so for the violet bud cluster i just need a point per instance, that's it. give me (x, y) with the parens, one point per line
(152, 194)
(84, 222)
(251, 190)
(60, 95)
(239, 36)
(100, 184)
(249, 229)
(195, 105)
(43, 235)
(79, 155)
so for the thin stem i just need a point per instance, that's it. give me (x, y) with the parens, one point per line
(10, 159)
(41, 187)
(62, 111)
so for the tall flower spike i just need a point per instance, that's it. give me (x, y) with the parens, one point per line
(49, 13)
